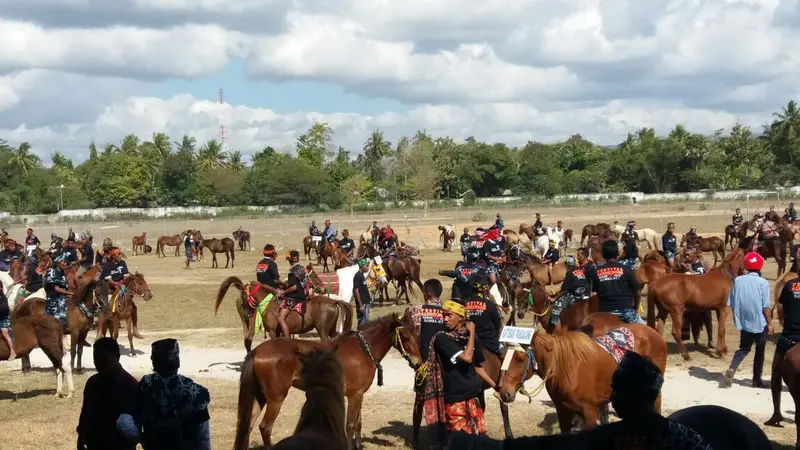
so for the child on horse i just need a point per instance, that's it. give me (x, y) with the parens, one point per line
(294, 296)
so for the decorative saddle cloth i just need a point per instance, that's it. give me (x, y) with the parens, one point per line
(328, 282)
(617, 342)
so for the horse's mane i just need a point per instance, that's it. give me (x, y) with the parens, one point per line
(81, 293)
(564, 355)
(323, 415)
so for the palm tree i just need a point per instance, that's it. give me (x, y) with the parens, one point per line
(375, 149)
(211, 155)
(61, 161)
(22, 159)
(187, 144)
(162, 145)
(235, 161)
(109, 149)
(130, 144)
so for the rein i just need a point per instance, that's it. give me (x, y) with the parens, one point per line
(365, 346)
(530, 304)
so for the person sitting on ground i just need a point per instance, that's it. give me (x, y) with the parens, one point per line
(453, 386)
(294, 296)
(616, 285)
(105, 397)
(465, 240)
(170, 411)
(5, 323)
(347, 245)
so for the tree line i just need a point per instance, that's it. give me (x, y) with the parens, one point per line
(163, 172)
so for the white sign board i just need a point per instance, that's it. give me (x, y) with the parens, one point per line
(316, 238)
(378, 260)
(517, 335)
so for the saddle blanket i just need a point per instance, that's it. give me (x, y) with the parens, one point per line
(617, 342)
(330, 282)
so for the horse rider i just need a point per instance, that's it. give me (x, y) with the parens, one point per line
(3, 232)
(631, 249)
(115, 272)
(294, 296)
(575, 286)
(348, 246)
(312, 229)
(616, 285)
(87, 255)
(386, 242)
(55, 286)
(790, 300)
(469, 276)
(465, 240)
(31, 243)
(71, 250)
(669, 242)
(71, 235)
(484, 314)
(5, 324)
(538, 227)
(690, 241)
(10, 253)
(792, 213)
(494, 256)
(374, 231)
(736, 220)
(56, 243)
(328, 234)
(551, 257)
(268, 277)
(559, 231)
(769, 229)
(498, 222)
(102, 255)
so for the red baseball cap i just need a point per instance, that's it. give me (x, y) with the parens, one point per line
(753, 261)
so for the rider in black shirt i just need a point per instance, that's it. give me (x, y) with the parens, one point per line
(347, 245)
(470, 276)
(575, 287)
(267, 271)
(630, 239)
(615, 285)
(10, 253)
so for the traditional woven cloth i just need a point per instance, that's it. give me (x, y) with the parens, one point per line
(617, 342)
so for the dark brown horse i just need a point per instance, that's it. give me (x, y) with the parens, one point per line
(43, 332)
(770, 248)
(224, 245)
(325, 252)
(322, 422)
(322, 313)
(308, 246)
(242, 237)
(788, 371)
(577, 371)
(403, 271)
(675, 293)
(138, 243)
(567, 237)
(732, 234)
(171, 241)
(446, 237)
(533, 297)
(711, 244)
(121, 307)
(273, 367)
(593, 230)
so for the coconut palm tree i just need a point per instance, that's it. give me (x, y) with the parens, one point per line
(186, 145)
(211, 155)
(375, 149)
(22, 159)
(235, 161)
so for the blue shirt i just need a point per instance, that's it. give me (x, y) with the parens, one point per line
(748, 299)
(329, 233)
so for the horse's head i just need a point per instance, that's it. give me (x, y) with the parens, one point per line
(520, 368)
(523, 227)
(138, 285)
(531, 295)
(404, 338)
(734, 261)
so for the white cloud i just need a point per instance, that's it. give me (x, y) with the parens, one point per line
(532, 69)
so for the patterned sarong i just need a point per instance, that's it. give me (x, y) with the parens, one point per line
(617, 342)
(298, 306)
(465, 417)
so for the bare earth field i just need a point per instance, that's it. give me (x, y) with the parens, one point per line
(212, 351)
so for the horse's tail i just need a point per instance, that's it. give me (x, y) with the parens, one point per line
(247, 395)
(347, 314)
(223, 289)
(651, 307)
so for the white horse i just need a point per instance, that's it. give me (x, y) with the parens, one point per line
(366, 238)
(543, 242)
(11, 289)
(617, 228)
(650, 236)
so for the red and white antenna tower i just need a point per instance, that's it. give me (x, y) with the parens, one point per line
(223, 133)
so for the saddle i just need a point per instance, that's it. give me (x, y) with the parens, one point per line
(617, 342)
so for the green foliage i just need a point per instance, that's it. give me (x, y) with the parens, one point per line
(479, 217)
(139, 172)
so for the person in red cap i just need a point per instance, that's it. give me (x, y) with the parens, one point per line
(750, 303)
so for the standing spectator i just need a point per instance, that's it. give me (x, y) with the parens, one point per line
(361, 292)
(106, 394)
(170, 411)
(188, 247)
(750, 303)
(465, 240)
(498, 222)
(428, 321)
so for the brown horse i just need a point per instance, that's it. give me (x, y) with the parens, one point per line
(403, 271)
(674, 293)
(771, 248)
(322, 313)
(121, 307)
(533, 296)
(339, 259)
(593, 230)
(308, 246)
(43, 332)
(542, 273)
(272, 369)
(172, 241)
(711, 244)
(567, 237)
(242, 237)
(447, 237)
(787, 372)
(731, 234)
(325, 252)
(138, 243)
(224, 245)
(322, 420)
(577, 371)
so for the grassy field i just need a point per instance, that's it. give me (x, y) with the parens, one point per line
(183, 307)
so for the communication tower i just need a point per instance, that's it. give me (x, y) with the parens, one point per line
(223, 133)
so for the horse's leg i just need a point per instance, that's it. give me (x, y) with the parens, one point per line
(677, 325)
(709, 324)
(564, 418)
(589, 416)
(353, 427)
(506, 421)
(265, 427)
(73, 348)
(722, 316)
(129, 326)
(81, 339)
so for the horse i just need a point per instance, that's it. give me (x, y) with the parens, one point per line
(308, 246)
(337, 285)
(711, 244)
(224, 245)
(648, 236)
(340, 259)
(122, 306)
(322, 313)
(543, 274)
(531, 295)
(722, 428)
(577, 370)
(138, 243)
(326, 251)
(172, 241)
(403, 270)
(446, 237)
(322, 419)
(510, 237)
(732, 234)
(593, 230)
(567, 238)
(789, 372)
(242, 237)
(771, 248)
(673, 293)
(272, 368)
(43, 332)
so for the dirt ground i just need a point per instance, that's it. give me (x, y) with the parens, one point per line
(212, 349)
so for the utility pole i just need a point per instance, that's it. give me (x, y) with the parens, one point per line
(61, 187)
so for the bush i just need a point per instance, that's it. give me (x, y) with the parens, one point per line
(479, 217)
(469, 198)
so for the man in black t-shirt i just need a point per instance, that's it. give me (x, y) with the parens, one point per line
(470, 276)
(790, 300)
(465, 240)
(453, 386)
(9, 254)
(794, 256)
(361, 292)
(347, 245)
(87, 255)
(31, 243)
(575, 287)
(488, 323)
(630, 241)
(268, 277)
(616, 285)
(295, 294)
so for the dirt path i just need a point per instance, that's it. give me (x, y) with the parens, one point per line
(682, 388)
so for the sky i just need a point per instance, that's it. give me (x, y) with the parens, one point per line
(77, 71)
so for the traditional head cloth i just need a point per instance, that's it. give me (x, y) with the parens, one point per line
(166, 350)
(637, 373)
(114, 252)
(454, 307)
(108, 243)
(569, 261)
(269, 251)
(363, 262)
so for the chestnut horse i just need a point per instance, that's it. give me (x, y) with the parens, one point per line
(308, 246)
(541, 272)
(324, 253)
(121, 308)
(532, 295)
(577, 371)
(172, 241)
(771, 248)
(403, 271)
(593, 230)
(224, 245)
(789, 373)
(731, 234)
(242, 238)
(272, 368)
(711, 244)
(567, 237)
(322, 313)
(138, 243)
(673, 293)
